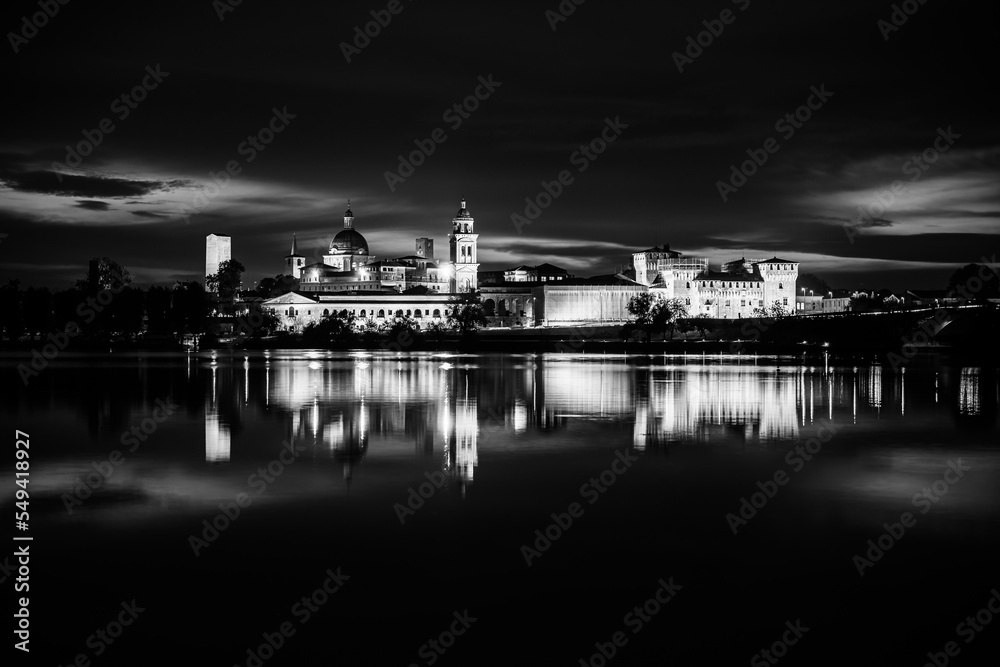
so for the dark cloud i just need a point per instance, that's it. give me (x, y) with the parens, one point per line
(72, 185)
(92, 205)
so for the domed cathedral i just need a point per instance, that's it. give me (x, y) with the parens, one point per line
(464, 255)
(349, 249)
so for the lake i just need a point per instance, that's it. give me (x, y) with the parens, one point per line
(310, 507)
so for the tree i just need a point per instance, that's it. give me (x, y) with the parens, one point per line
(775, 311)
(402, 330)
(665, 313)
(188, 308)
(702, 323)
(336, 327)
(37, 308)
(269, 288)
(109, 275)
(157, 308)
(11, 318)
(437, 331)
(467, 313)
(963, 281)
(641, 308)
(226, 284)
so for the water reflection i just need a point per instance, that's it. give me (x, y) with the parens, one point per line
(445, 410)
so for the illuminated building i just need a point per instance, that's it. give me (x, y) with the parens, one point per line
(218, 249)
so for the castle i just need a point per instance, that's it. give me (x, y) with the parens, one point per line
(742, 286)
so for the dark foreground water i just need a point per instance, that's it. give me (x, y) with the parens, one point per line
(413, 486)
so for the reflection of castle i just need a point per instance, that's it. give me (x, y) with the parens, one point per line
(755, 405)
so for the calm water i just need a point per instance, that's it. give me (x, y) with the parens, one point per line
(325, 451)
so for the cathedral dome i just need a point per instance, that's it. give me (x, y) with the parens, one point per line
(463, 212)
(349, 242)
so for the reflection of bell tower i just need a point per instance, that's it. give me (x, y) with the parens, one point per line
(464, 255)
(460, 428)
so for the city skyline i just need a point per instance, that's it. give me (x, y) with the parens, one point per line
(822, 148)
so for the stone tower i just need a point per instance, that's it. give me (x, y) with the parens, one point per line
(779, 277)
(464, 255)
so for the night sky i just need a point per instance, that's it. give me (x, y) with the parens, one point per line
(892, 94)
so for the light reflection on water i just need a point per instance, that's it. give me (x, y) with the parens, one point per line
(392, 412)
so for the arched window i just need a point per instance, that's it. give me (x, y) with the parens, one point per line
(326, 311)
(687, 302)
(781, 286)
(489, 307)
(381, 313)
(689, 285)
(437, 313)
(417, 314)
(364, 313)
(399, 313)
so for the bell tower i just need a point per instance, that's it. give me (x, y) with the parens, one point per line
(464, 254)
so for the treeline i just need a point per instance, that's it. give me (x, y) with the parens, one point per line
(106, 312)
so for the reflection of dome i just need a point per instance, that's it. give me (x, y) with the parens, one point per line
(349, 242)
